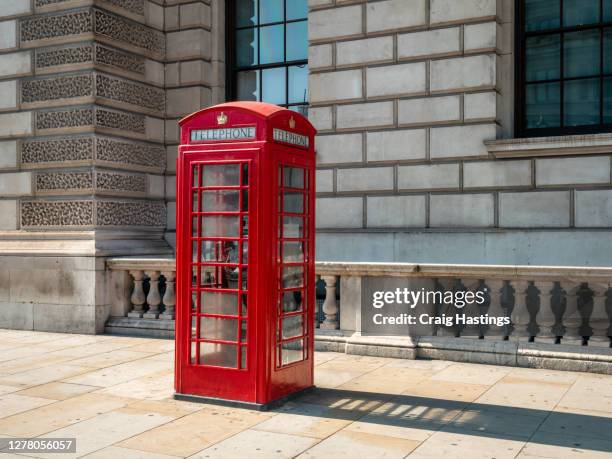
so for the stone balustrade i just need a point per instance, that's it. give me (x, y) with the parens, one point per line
(555, 314)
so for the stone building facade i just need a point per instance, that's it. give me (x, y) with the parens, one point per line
(418, 154)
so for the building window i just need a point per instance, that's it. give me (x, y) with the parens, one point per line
(268, 52)
(565, 67)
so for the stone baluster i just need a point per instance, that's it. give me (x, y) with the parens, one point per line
(545, 316)
(169, 299)
(571, 317)
(330, 305)
(446, 285)
(471, 309)
(520, 313)
(496, 290)
(138, 296)
(600, 318)
(154, 297)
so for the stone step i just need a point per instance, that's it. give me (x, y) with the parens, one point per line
(133, 326)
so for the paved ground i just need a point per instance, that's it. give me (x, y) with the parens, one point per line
(114, 395)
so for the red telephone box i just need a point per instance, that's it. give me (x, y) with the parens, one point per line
(245, 255)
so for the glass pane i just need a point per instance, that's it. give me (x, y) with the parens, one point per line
(293, 252)
(542, 14)
(298, 84)
(579, 12)
(246, 47)
(219, 277)
(608, 50)
(220, 251)
(244, 311)
(243, 357)
(293, 227)
(220, 201)
(293, 202)
(293, 276)
(194, 301)
(220, 226)
(194, 321)
(292, 351)
(247, 85)
(543, 105)
(292, 301)
(196, 181)
(297, 41)
(193, 353)
(245, 279)
(243, 331)
(581, 53)
(219, 355)
(542, 58)
(219, 303)
(221, 175)
(272, 44)
(293, 177)
(271, 11)
(581, 102)
(273, 86)
(245, 252)
(297, 9)
(194, 200)
(217, 328)
(607, 114)
(194, 276)
(292, 326)
(607, 13)
(246, 13)
(245, 226)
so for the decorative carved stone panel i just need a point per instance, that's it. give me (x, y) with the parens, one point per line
(57, 119)
(119, 59)
(128, 92)
(64, 181)
(57, 25)
(57, 150)
(129, 32)
(140, 213)
(52, 57)
(57, 213)
(61, 87)
(139, 155)
(117, 182)
(120, 120)
(134, 6)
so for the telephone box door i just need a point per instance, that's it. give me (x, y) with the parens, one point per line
(218, 215)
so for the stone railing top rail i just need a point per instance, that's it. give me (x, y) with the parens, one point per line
(505, 272)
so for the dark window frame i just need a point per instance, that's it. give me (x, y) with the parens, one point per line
(231, 90)
(520, 75)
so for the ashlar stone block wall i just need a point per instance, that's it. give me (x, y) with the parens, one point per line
(405, 93)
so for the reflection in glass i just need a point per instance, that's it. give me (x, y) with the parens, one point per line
(194, 229)
(297, 41)
(245, 252)
(244, 304)
(247, 85)
(196, 181)
(219, 303)
(293, 276)
(580, 12)
(543, 58)
(220, 226)
(293, 177)
(246, 13)
(292, 301)
(194, 321)
(221, 175)
(271, 11)
(297, 9)
(273, 86)
(220, 201)
(245, 201)
(243, 357)
(218, 355)
(542, 14)
(543, 105)
(293, 252)
(581, 53)
(607, 10)
(218, 328)
(194, 301)
(220, 251)
(292, 326)
(246, 47)
(581, 102)
(292, 351)
(245, 279)
(193, 354)
(293, 227)
(219, 277)
(272, 44)
(194, 201)
(607, 101)
(293, 202)
(243, 331)
(607, 50)
(298, 84)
